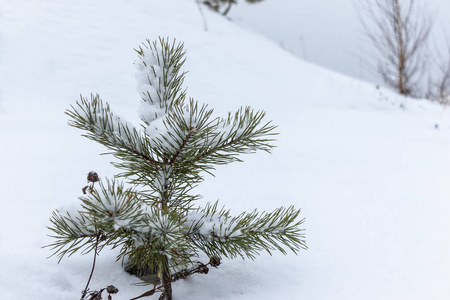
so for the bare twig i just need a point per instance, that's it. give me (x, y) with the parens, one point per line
(205, 25)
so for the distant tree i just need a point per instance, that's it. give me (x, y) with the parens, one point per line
(399, 31)
(439, 87)
(156, 222)
(224, 6)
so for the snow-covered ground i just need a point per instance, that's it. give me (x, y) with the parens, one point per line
(368, 168)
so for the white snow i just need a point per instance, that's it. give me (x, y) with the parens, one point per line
(368, 168)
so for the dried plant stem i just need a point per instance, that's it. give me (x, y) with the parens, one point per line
(83, 294)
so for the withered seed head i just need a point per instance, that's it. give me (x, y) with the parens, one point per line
(203, 269)
(93, 177)
(112, 289)
(214, 262)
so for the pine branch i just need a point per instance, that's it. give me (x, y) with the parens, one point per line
(187, 127)
(160, 78)
(241, 133)
(198, 143)
(173, 160)
(115, 215)
(72, 234)
(217, 233)
(100, 215)
(112, 207)
(116, 134)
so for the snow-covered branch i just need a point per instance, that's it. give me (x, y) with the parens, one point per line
(115, 133)
(217, 233)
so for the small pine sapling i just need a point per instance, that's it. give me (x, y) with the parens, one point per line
(153, 218)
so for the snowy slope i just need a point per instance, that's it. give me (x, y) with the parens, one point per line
(368, 168)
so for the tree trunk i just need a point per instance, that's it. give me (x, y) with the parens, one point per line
(165, 278)
(167, 291)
